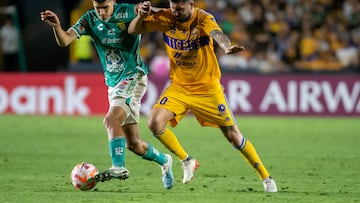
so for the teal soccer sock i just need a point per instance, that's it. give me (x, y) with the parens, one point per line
(117, 151)
(153, 154)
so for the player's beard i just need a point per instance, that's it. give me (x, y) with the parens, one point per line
(183, 18)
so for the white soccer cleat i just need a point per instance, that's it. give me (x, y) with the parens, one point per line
(269, 184)
(112, 173)
(167, 174)
(189, 166)
(119, 173)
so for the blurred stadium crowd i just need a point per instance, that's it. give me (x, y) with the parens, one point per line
(283, 35)
(279, 35)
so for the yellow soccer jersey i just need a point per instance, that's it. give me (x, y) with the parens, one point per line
(193, 63)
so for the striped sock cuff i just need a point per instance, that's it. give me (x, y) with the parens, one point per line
(242, 145)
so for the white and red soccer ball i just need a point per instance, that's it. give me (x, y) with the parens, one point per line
(80, 175)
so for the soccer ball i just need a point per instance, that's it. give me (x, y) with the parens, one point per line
(80, 175)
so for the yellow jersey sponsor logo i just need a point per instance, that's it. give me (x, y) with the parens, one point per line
(186, 44)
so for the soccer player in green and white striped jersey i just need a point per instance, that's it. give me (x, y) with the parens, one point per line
(126, 78)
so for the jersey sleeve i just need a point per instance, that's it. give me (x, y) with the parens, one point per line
(158, 21)
(209, 24)
(80, 27)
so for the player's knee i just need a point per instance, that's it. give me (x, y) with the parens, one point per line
(232, 134)
(154, 125)
(110, 121)
(237, 139)
(107, 121)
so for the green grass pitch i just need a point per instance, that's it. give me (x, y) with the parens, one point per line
(311, 159)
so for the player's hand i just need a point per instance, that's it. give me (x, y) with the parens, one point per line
(144, 8)
(234, 49)
(50, 18)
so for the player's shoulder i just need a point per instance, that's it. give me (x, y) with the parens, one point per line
(90, 12)
(124, 7)
(89, 16)
(123, 12)
(203, 13)
(163, 14)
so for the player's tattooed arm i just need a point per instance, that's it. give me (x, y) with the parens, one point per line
(221, 39)
(224, 42)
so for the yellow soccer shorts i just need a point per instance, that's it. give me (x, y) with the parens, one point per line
(209, 107)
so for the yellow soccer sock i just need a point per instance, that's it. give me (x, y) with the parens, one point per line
(169, 140)
(250, 155)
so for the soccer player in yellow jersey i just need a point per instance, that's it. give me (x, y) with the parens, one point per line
(189, 34)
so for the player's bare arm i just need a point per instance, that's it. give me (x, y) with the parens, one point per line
(63, 38)
(137, 25)
(224, 42)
